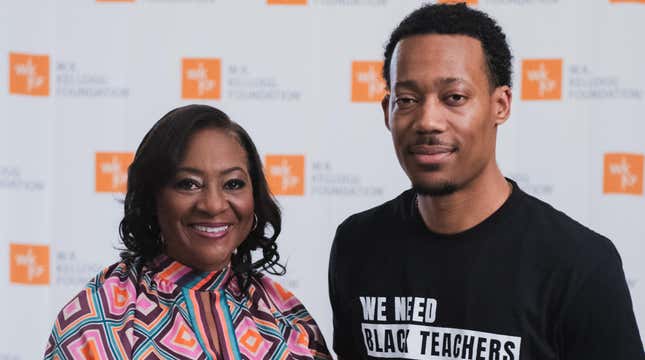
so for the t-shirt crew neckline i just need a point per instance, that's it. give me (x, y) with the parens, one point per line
(487, 225)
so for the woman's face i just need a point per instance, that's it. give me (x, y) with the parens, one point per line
(206, 210)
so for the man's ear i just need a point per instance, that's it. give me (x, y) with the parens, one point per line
(385, 105)
(501, 99)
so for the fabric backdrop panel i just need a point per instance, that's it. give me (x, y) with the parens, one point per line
(83, 81)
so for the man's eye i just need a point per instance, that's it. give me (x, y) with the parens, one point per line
(234, 184)
(187, 184)
(455, 99)
(405, 101)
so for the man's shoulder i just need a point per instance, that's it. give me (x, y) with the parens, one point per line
(584, 273)
(565, 235)
(390, 211)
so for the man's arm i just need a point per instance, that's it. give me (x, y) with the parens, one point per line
(599, 320)
(342, 338)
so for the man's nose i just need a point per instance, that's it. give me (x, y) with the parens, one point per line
(432, 117)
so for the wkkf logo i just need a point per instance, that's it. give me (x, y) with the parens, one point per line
(201, 78)
(542, 79)
(29, 74)
(285, 174)
(623, 174)
(367, 83)
(112, 171)
(29, 264)
(287, 2)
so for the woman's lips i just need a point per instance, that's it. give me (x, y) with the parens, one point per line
(212, 231)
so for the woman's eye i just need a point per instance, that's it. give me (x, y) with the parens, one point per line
(187, 184)
(234, 184)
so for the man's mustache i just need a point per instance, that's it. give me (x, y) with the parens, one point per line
(432, 141)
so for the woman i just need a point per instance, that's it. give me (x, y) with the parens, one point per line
(187, 287)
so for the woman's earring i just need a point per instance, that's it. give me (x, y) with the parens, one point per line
(255, 222)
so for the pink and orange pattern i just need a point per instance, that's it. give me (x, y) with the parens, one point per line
(167, 310)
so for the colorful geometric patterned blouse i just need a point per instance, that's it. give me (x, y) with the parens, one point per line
(170, 311)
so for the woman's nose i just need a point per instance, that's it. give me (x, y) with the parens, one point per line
(212, 201)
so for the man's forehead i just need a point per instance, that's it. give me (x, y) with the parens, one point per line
(425, 42)
(413, 83)
(452, 54)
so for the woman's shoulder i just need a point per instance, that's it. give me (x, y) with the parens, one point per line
(116, 278)
(302, 333)
(107, 297)
(283, 299)
(113, 290)
(283, 303)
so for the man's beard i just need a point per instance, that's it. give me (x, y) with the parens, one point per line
(441, 189)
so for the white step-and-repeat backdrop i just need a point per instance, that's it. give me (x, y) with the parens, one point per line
(81, 81)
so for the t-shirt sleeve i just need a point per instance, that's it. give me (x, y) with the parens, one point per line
(342, 338)
(599, 320)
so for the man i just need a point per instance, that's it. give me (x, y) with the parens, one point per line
(465, 265)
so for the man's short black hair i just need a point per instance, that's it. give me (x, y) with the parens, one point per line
(457, 19)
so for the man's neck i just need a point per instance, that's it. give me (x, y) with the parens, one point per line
(467, 207)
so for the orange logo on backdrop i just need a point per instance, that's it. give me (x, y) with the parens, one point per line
(628, 1)
(285, 174)
(542, 79)
(201, 78)
(112, 171)
(28, 74)
(29, 264)
(287, 2)
(367, 83)
(468, 2)
(623, 174)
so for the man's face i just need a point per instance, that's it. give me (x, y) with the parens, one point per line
(442, 112)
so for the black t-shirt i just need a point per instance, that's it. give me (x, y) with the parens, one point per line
(526, 283)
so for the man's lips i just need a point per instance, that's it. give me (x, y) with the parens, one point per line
(424, 154)
(424, 149)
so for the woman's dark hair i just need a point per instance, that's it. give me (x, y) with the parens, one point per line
(457, 19)
(155, 164)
